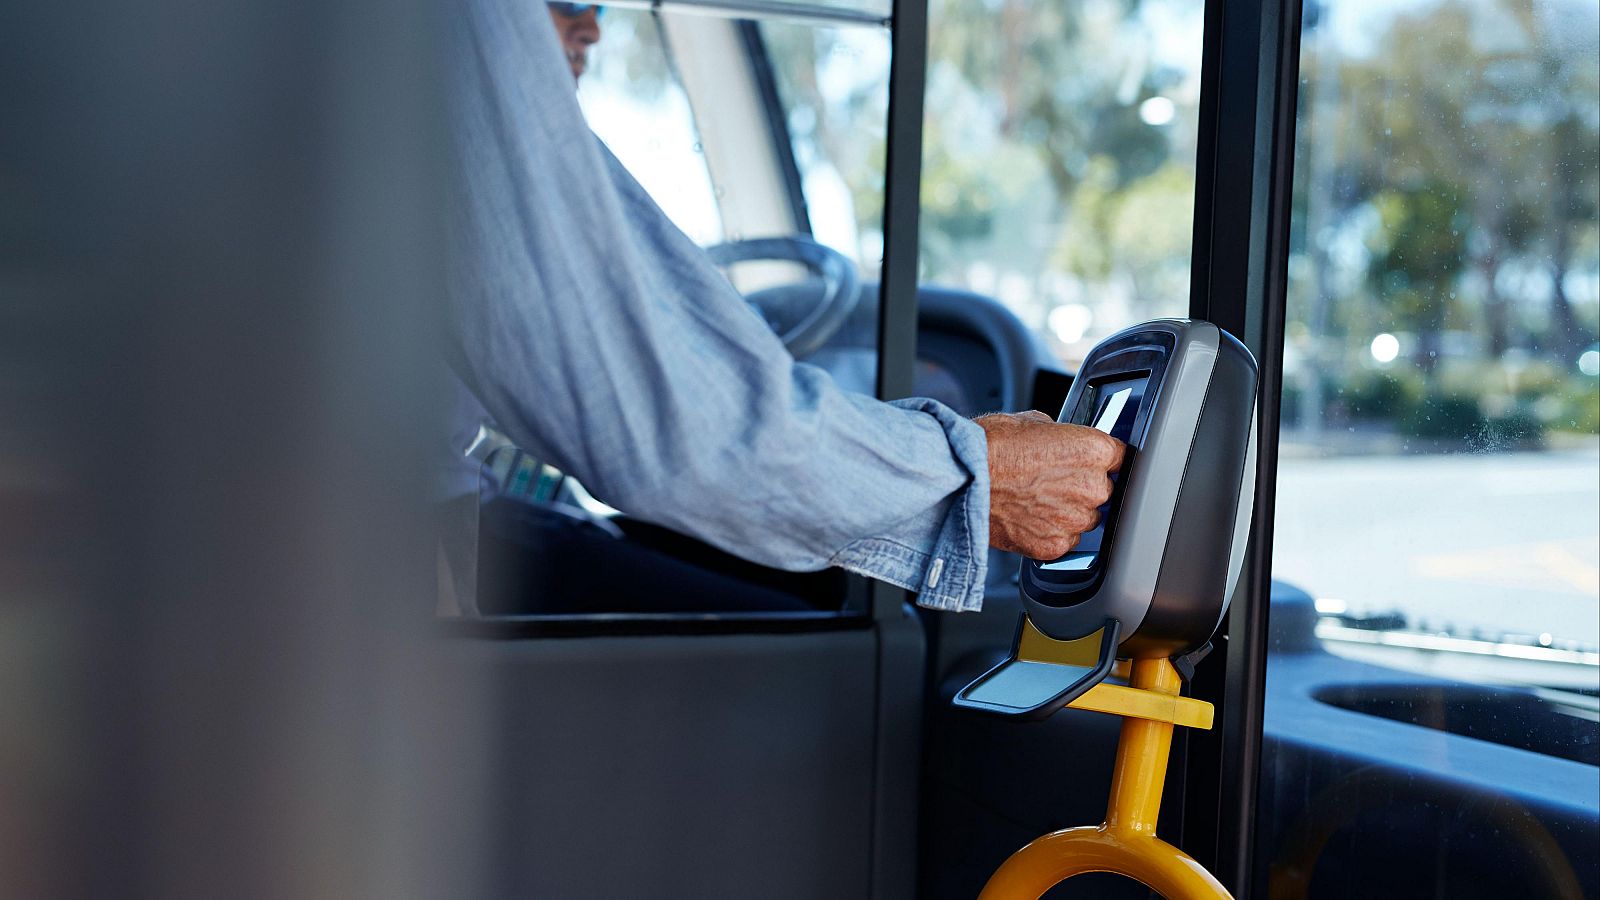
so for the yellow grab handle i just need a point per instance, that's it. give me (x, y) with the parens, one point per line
(1056, 857)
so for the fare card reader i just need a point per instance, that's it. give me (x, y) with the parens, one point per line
(1149, 584)
(1153, 580)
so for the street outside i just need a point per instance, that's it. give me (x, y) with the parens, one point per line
(1491, 544)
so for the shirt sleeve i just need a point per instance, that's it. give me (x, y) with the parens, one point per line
(601, 338)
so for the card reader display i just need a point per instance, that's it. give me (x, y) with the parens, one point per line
(1117, 402)
(1112, 407)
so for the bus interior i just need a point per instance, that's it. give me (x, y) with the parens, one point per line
(1394, 206)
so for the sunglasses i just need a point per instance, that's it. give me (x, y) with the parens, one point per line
(573, 10)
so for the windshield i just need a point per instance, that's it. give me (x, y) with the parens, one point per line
(1059, 160)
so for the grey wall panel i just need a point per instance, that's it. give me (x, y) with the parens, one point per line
(221, 263)
(681, 766)
(902, 651)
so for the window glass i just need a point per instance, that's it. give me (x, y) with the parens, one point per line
(833, 83)
(1058, 163)
(1432, 723)
(832, 87)
(635, 104)
(695, 123)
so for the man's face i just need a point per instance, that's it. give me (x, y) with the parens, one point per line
(578, 26)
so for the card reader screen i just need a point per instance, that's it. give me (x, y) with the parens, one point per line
(1115, 406)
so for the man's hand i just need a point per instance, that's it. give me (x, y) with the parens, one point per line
(1047, 481)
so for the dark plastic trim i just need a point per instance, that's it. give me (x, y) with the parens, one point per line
(1244, 177)
(513, 628)
(893, 848)
(897, 302)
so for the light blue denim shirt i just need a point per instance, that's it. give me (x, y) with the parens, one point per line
(601, 339)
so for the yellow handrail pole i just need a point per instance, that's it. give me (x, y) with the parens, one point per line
(1126, 844)
(1142, 751)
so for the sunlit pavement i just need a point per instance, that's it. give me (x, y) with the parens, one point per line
(1490, 543)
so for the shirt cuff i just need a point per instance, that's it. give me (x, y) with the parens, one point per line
(950, 573)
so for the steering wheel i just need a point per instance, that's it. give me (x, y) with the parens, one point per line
(819, 317)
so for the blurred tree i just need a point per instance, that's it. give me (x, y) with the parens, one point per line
(1446, 152)
(1458, 152)
(1417, 258)
(1140, 232)
(1038, 162)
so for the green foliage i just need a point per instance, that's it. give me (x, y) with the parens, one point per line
(1528, 383)
(1151, 218)
(1483, 406)
(1442, 415)
(1418, 253)
(1037, 163)
(1580, 410)
(1383, 394)
(1443, 156)
(1460, 148)
(1141, 231)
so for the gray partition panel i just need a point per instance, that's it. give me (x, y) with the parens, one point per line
(902, 655)
(692, 766)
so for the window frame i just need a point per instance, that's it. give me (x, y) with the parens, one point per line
(759, 63)
(1239, 281)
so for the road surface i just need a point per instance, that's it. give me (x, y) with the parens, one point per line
(1500, 543)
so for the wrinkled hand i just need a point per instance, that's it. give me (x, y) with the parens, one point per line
(1046, 481)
